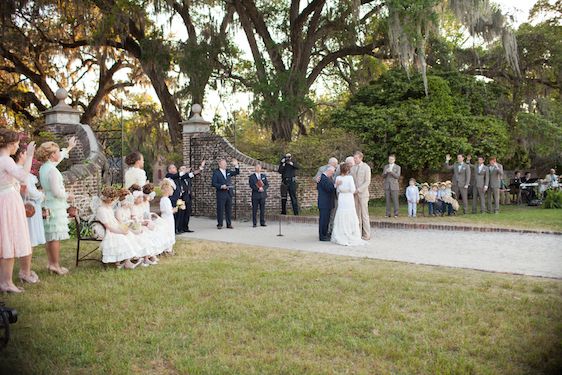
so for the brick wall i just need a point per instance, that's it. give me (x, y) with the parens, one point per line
(210, 147)
(83, 173)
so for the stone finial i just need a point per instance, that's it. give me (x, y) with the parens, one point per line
(62, 113)
(196, 123)
(196, 109)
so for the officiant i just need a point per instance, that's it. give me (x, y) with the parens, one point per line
(259, 185)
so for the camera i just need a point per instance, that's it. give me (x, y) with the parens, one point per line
(8, 316)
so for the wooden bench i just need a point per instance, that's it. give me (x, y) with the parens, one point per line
(91, 231)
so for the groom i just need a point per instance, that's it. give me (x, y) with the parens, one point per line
(326, 195)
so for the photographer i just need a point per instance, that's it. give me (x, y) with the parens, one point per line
(288, 169)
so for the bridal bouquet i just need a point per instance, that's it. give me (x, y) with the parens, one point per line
(180, 204)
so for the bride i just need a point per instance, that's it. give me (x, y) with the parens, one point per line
(346, 224)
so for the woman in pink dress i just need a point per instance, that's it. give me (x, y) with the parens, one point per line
(14, 234)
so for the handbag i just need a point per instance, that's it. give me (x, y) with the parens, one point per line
(29, 206)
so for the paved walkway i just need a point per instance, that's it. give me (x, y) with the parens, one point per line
(518, 253)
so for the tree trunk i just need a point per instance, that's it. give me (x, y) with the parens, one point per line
(282, 128)
(171, 112)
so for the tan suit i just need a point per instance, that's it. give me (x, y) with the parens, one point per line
(361, 174)
(391, 186)
(496, 175)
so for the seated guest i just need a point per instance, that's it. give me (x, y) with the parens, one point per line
(552, 180)
(527, 193)
(159, 225)
(514, 187)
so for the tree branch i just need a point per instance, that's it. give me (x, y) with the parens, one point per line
(331, 57)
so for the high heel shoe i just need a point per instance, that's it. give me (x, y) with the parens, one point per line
(32, 278)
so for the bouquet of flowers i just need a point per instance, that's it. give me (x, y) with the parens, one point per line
(180, 204)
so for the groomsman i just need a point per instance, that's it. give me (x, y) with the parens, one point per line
(182, 180)
(361, 174)
(391, 174)
(461, 178)
(222, 182)
(326, 195)
(496, 175)
(482, 180)
(259, 185)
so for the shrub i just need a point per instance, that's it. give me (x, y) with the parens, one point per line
(553, 199)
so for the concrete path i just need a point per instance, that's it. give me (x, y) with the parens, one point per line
(527, 254)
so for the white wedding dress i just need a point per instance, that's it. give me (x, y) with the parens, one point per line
(346, 229)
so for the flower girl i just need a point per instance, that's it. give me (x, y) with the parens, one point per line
(148, 235)
(159, 224)
(167, 212)
(117, 245)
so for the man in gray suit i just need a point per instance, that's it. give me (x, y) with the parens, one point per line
(391, 174)
(496, 175)
(461, 178)
(332, 162)
(482, 180)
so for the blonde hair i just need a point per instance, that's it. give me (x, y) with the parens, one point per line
(44, 152)
(165, 184)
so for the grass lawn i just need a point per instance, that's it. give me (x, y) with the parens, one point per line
(218, 309)
(510, 216)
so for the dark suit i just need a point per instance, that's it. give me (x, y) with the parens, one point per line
(289, 186)
(326, 197)
(258, 197)
(183, 192)
(224, 196)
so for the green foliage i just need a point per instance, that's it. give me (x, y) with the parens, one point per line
(310, 151)
(314, 150)
(553, 199)
(393, 115)
(540, 137)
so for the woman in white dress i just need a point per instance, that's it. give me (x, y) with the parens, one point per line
(135, 174)
(346, 229)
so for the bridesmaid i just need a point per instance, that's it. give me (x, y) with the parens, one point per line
(56, 224)
(35, 223)
(14, 235)
(135, 174)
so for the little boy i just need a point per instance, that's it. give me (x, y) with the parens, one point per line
(431, 199)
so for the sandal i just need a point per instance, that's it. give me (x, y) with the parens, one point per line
(32, 278)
